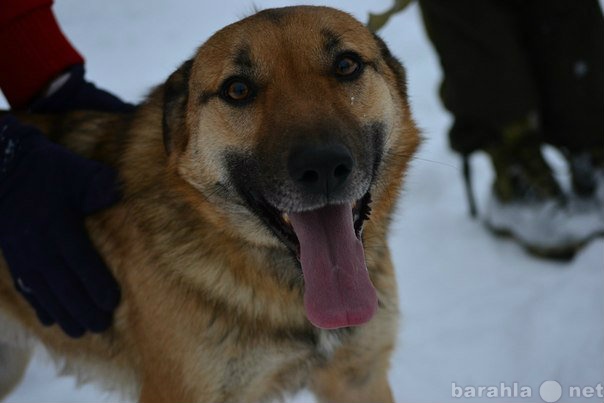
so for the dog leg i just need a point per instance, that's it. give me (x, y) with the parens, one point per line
(352, 376)
(13, 363)
(347, 385)
(161, 391)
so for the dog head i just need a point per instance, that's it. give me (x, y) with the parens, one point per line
(292, 121)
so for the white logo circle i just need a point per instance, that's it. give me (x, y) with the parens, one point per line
(550, 391)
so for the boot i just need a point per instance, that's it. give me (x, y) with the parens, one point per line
(587, 178)
(528, 204)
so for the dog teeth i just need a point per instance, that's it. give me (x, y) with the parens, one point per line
(285, 218)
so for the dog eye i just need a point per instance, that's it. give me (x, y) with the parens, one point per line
(348, 66)
(237, 91)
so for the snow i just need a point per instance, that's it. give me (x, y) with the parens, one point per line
(478, 311)
(547, 225)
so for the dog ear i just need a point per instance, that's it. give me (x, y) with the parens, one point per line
(176, 95)
(394, 64)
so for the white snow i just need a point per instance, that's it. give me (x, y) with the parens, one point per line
(477, 310)
(547, 225)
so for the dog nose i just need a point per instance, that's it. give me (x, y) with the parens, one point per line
(322, 169)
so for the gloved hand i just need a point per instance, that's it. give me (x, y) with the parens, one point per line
(75, 93)
(45, 193)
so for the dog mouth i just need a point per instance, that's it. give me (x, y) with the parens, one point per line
(281, 222)
(327, 242)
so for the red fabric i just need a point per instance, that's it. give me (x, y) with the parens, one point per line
(33, 49)
(11, 9)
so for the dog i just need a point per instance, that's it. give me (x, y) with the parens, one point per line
(259, 183)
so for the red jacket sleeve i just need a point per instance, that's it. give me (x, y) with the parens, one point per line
(33, 50)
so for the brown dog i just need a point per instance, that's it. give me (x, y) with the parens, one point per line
(250, 261)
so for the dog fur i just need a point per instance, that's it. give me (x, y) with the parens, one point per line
(211, 307)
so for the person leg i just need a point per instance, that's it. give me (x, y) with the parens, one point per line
(565, 39)
(490, 88)
(487, 81)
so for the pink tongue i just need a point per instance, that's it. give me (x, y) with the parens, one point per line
(338, 291)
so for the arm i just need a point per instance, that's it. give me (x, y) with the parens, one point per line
(45, 190)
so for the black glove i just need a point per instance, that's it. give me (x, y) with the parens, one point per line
(76, 94)
(45, 193)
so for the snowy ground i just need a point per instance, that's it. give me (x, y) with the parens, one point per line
(477, 310)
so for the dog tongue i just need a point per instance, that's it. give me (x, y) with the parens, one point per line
(338, 291)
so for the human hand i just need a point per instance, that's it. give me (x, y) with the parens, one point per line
(46, 191)
(71, 91)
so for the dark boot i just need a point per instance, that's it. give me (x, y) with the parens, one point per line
(528, 204)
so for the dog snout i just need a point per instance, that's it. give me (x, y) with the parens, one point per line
(321, 170)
